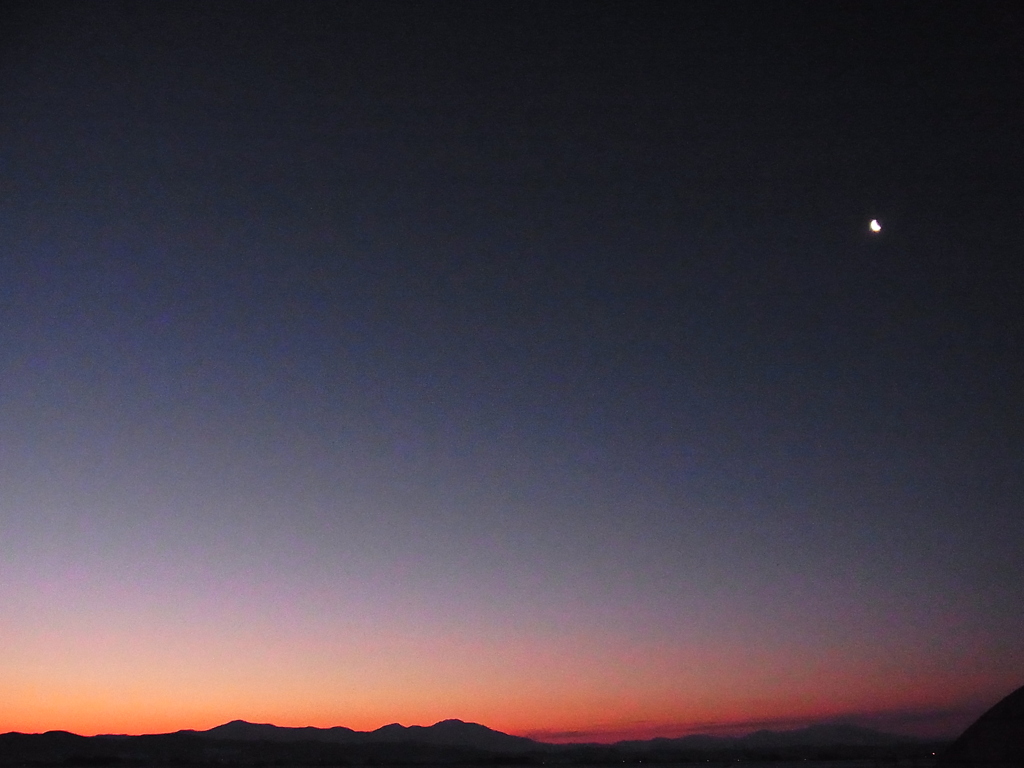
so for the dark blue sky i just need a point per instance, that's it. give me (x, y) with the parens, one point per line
(533, 321)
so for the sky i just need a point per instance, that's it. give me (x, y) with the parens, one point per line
(528, 363)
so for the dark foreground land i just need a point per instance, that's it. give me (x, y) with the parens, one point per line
(453, 743)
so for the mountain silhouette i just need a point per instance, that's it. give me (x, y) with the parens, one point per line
(455, 732)
(240, 730)
(444, 733)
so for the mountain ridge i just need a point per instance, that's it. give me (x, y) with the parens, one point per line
(450, 732)
(455, 732)
(452, 743)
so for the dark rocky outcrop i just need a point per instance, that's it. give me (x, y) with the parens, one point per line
(994, 740)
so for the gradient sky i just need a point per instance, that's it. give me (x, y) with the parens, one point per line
(520, 362)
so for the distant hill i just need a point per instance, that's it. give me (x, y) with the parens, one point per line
(818, 743)
(825, 735)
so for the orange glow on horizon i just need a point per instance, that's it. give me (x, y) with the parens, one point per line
(569, 686)
(88, 716)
